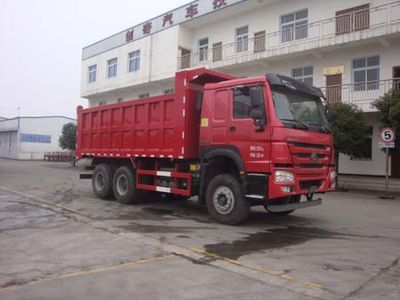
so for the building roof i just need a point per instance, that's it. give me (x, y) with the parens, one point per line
(182, 14)
(36, 117)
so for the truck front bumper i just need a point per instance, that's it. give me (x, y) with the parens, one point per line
(304, 183)
(292, 206)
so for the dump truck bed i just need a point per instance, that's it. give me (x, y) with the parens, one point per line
(164, 126)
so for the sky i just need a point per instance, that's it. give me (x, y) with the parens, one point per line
(41, 45)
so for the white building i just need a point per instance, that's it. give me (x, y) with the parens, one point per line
(31, 137)
(351, 49)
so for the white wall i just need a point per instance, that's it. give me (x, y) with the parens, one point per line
(43, 126)
(8, 144)
(158, 60)
(376, 165)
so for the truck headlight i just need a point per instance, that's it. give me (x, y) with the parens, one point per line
(333, 175)
(283, 176)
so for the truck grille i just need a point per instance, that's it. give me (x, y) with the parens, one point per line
(310, 156)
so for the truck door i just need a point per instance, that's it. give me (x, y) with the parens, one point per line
(248, 126)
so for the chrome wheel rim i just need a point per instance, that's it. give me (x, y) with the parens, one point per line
(223, 200)
(99, 181)
(122, 185)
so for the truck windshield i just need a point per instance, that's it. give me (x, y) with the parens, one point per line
(300, 111)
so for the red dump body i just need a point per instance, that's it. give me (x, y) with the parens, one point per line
(161, 126)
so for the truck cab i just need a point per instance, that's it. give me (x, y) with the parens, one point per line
(272, 132)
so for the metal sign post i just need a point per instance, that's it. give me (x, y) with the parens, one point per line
(387, 138)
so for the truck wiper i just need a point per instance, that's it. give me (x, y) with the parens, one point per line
(324, 129)
(302, 124)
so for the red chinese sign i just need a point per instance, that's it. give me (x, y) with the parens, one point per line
(218, 3)
(129, 35)
(147, 28)
(167, 19)
(191, 10)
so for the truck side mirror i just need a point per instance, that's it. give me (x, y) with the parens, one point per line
(258, 116)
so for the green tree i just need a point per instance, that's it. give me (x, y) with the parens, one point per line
(350, 134)
(388, 107)
(67, 139)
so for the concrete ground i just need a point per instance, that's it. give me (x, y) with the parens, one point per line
(57, 241)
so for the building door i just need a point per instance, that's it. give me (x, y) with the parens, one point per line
(334, 88)
(185, 58)
(396, 78)
(395, 165)
(395, 158)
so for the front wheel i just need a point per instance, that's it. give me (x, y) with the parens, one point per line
(225, 202)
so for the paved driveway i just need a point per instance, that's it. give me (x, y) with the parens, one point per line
(57, 241)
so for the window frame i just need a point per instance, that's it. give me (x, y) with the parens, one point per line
(143, 95)
(303, 77)
(169, 91)
(112, 66)
(259, 85)
(92, 73)
(134, 61)
(203, 49)
(259, 41)
(365, 85)
(293, 26)
(242, 39)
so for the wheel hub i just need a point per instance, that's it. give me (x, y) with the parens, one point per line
(122, 185)
(224, 200)
(99, 181)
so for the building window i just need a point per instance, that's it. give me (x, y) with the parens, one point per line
(134, 61)
(168, 91)
(119, 100)
(101, 103)
(294, 26)
(366, 147)
(203, 49)
(217, 51)
(245, 99)
(352, 19)
(259, 41)
(112, 65)
(304, 74)
(144, 95)
(242, 39)
(92, 70)
(366, 73)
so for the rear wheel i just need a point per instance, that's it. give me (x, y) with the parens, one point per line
(102, 180)
(125, 187)
(224, 200)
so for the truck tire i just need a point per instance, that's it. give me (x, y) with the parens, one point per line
(102, 181)
(224, 200)
(124, 186)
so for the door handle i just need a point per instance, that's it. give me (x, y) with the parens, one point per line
(232, 128)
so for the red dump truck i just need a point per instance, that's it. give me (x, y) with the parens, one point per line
(233, 142)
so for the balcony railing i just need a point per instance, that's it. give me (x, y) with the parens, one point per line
(360, 94)
(300, 38)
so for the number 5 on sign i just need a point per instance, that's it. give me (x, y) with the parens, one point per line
(387, 138)
(387, 135)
